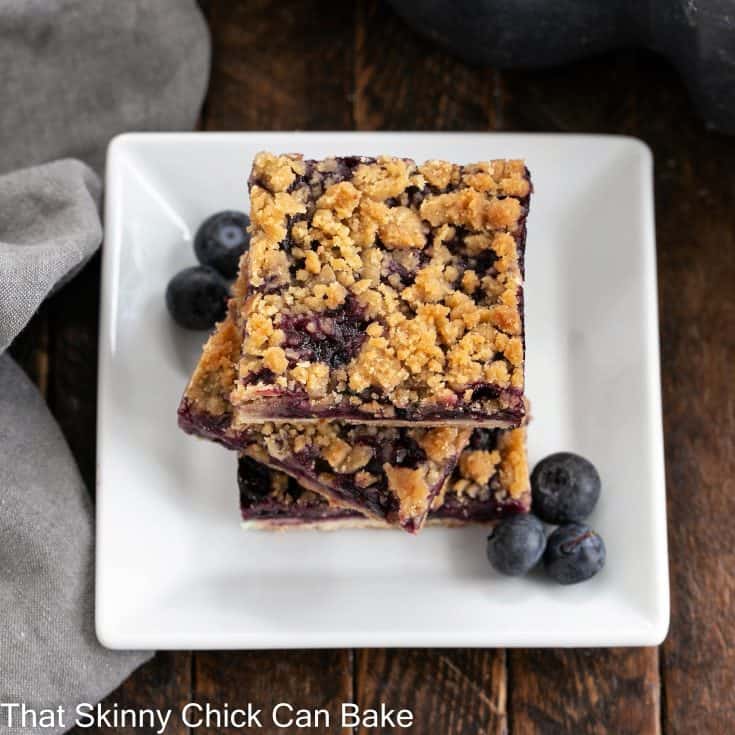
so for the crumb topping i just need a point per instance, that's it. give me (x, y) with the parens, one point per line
(494, 477)
(411, 488)
(409, 463)
(514, 463)
(406, 280)
(479, 466)
(216, 370)
(442, 443)
(494, 463)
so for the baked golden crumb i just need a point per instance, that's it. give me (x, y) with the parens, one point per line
(376, 289)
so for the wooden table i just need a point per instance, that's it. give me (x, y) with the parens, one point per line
(333, 66)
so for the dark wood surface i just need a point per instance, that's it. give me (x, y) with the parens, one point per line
(320, 65)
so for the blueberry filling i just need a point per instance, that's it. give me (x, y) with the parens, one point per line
(318, 181)
(346, 167)
(484, 263)
(402, 451)
(271, 284)
(265, 376)
(205, 424)
(294, 490)
(288, 404)
(485, 392)
(406, 276)
(411, 197)
(333, 337)
(254, 479)
(296, 265)
(484, 440)
(375, 498)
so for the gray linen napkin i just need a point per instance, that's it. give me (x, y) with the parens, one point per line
(49, 654)
(49, 224)
(73, 73)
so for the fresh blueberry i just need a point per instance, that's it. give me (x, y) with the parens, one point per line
(197, 297)
(574, 552)
(516, 544)
(565, 488)
(220, 241)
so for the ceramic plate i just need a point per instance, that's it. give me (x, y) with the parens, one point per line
(174, 569)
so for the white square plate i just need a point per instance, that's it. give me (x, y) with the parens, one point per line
(174, 569)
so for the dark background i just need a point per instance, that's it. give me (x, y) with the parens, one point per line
(327, 66)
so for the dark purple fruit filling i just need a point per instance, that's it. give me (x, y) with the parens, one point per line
(375, 498)
(254, 480)
(284, 404)
(346, 167)
(333, 337)
(401, 452)
(484, 263)
(485, 392)
(484, 440)
(265, 375)
(287, 243)
(318, 181)
(271, 284)
(407, 275)
(208, 426)
(411, 197)
(478, 510)
(294, 490)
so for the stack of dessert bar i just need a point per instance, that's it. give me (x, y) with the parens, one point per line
(370, 370)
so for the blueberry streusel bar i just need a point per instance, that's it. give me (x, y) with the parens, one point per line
(379, 290)
(490, 482)
(391, 473)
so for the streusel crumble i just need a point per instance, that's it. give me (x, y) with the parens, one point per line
(378, 290)
(493, 484)
(390, 473)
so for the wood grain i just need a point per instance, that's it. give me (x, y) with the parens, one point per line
(590, 691)
(73, 323)
(584, 691)
(403, 82)
(695, 213)
(598, 95)
(162, 683)
(322, 65)
(452, 691)
(303, 679)
(280, 66)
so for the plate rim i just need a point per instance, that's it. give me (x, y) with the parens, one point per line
(652, 632)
